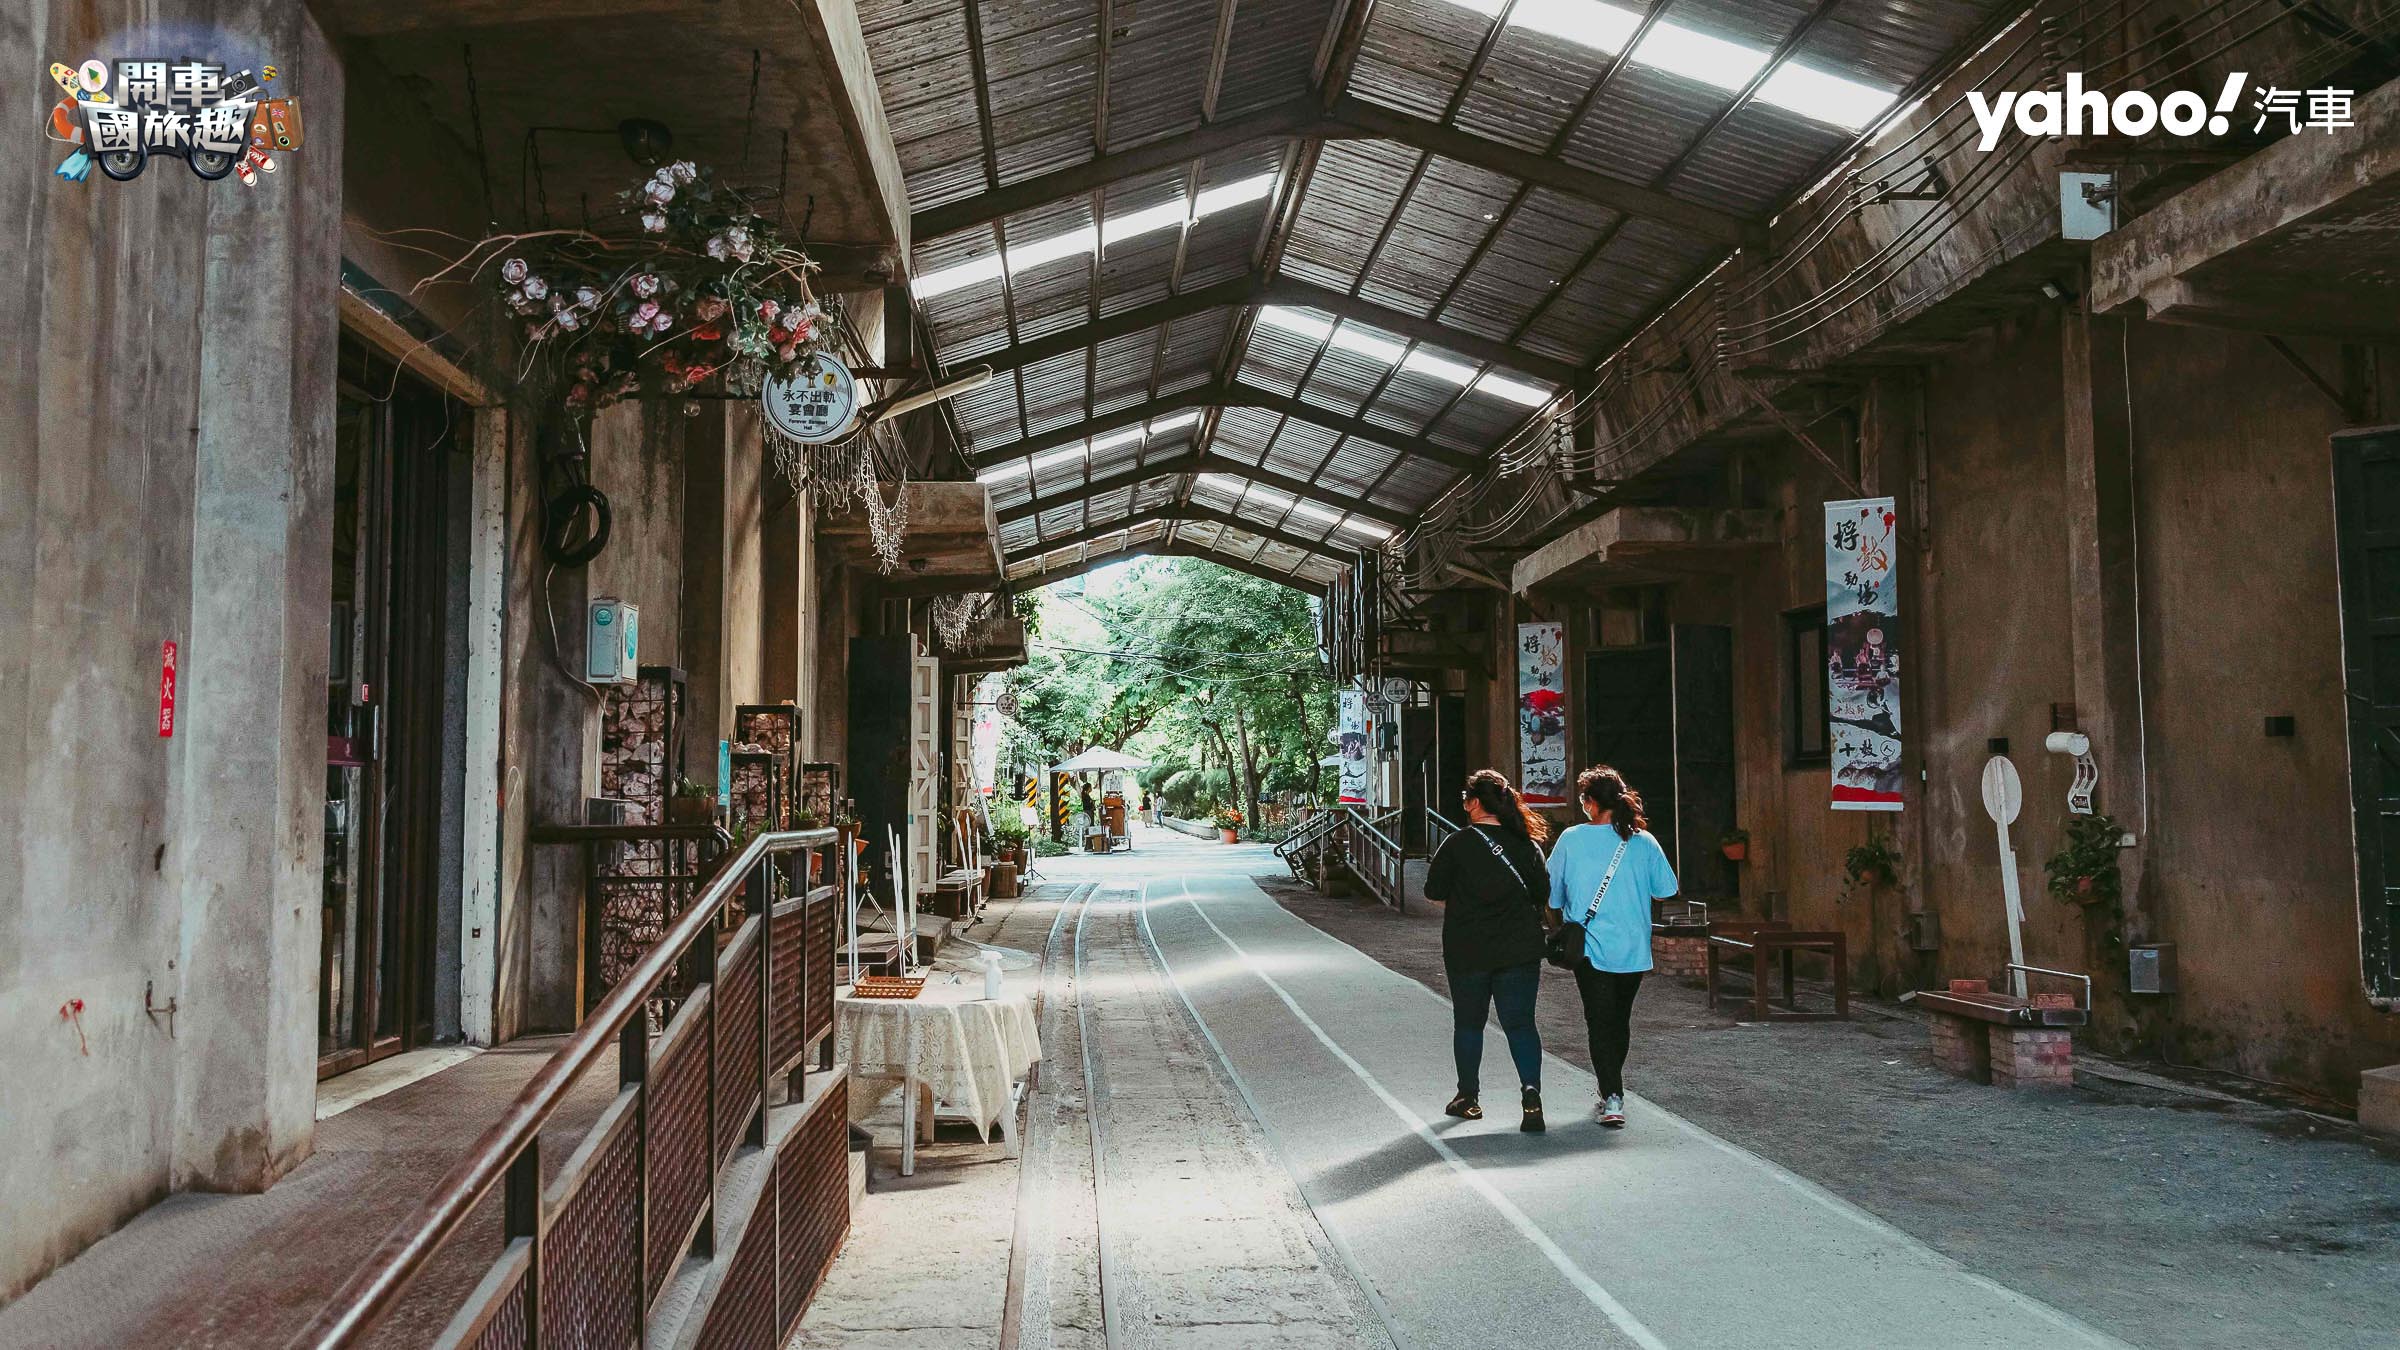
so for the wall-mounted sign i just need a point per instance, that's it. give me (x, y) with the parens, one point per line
(166, 689)
(1542, 713)
(812, 402)
(1862, 646)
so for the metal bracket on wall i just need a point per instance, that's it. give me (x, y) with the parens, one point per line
(1800, 434)
(2352, 406)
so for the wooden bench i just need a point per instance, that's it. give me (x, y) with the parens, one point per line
(2002, 1039)
(1771, 941)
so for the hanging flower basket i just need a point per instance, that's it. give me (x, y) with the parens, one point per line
(701, 293)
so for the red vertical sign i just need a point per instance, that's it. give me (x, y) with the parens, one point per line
(166, 689)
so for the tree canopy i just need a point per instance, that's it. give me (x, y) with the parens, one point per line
(1211, 674)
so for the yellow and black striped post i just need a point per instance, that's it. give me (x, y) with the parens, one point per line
(1059, 805)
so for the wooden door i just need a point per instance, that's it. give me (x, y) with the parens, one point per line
(2366, 475)
(1629, 723)
(1704, 774)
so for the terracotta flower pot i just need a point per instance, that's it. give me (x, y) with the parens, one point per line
(691, 810)
(1231, 836)
(1736, 852)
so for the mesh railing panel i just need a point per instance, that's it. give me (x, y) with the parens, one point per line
(743, 1316)
(588, 1288)
(791, 947)
(506, 1330)
(812, 1185)
(679, 1171)
(817, 1016)
(736, 1063)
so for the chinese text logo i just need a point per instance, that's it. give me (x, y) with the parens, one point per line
(188, 109)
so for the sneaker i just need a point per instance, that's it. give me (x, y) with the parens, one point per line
(1532, 1123)
(1464, 1107)
(1612, 1111)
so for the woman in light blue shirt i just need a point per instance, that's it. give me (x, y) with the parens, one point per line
(1604, 875)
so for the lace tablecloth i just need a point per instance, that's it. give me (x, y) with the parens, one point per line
(965, 1047)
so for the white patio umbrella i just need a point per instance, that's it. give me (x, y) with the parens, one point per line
(1100, 759)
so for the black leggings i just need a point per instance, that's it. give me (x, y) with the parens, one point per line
(1608, 1018)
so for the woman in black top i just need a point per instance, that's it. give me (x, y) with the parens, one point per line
(1492, 885)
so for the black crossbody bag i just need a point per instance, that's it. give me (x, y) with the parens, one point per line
(1565, 949)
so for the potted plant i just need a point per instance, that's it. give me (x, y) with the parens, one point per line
(2084, 871)
(1229, 824)
(1869, 865)
(1735, 844)
(691, 804)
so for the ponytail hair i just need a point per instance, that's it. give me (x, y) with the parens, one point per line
(1605, 788)
(1492, 792)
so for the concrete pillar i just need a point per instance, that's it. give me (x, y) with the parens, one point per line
(723, 608)
(247, 821)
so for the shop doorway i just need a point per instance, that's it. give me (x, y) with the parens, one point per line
(1662, 713)
(388, 696)
(2366, 477)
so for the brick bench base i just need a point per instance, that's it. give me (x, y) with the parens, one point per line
(1680, 957)
(2004, 1056)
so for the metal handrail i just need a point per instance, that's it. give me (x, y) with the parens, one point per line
(372, 1290)
(1310, 831)
(1438, 829)
(1369, 825)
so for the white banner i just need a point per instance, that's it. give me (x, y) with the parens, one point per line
(1542, 713)
(1862, 653)
(1353, 741)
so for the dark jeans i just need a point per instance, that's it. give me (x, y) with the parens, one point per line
(1472, 993)
(1608, 1017)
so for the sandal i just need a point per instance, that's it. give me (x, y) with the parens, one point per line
(1463, 1107)
(1533, 1123)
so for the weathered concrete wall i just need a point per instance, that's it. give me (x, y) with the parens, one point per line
(2250, 868)
(168, 472)
(2245, 839)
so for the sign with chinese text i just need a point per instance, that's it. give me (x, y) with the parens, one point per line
(1351, 735)
(1862, 653)
(166, 689)
(1542, 713)
(812, 401)
(191, 110)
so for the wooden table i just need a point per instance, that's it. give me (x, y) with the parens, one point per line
(1766, 943)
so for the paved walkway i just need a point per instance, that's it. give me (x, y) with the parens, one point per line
(1661, 1235)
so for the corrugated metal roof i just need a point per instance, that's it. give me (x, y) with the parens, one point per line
(989, 98)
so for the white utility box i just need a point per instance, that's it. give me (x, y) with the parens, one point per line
(612, 642)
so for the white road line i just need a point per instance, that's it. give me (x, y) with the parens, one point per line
(2064, 1321)
(1600, 1298)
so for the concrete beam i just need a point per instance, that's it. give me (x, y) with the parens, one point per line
(1637, 532)
(2294, 239)
(841, 56)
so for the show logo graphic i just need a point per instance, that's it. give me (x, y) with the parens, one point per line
(121, 116)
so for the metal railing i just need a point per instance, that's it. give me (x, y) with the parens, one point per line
(692, 1159)
(1300, 849)
(1438, 829)
(1374, 857)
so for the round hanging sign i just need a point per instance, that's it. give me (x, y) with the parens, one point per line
(812, 402)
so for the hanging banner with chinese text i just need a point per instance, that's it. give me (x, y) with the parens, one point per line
(1351, 735)
(1862, 645)
(1542, 713)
